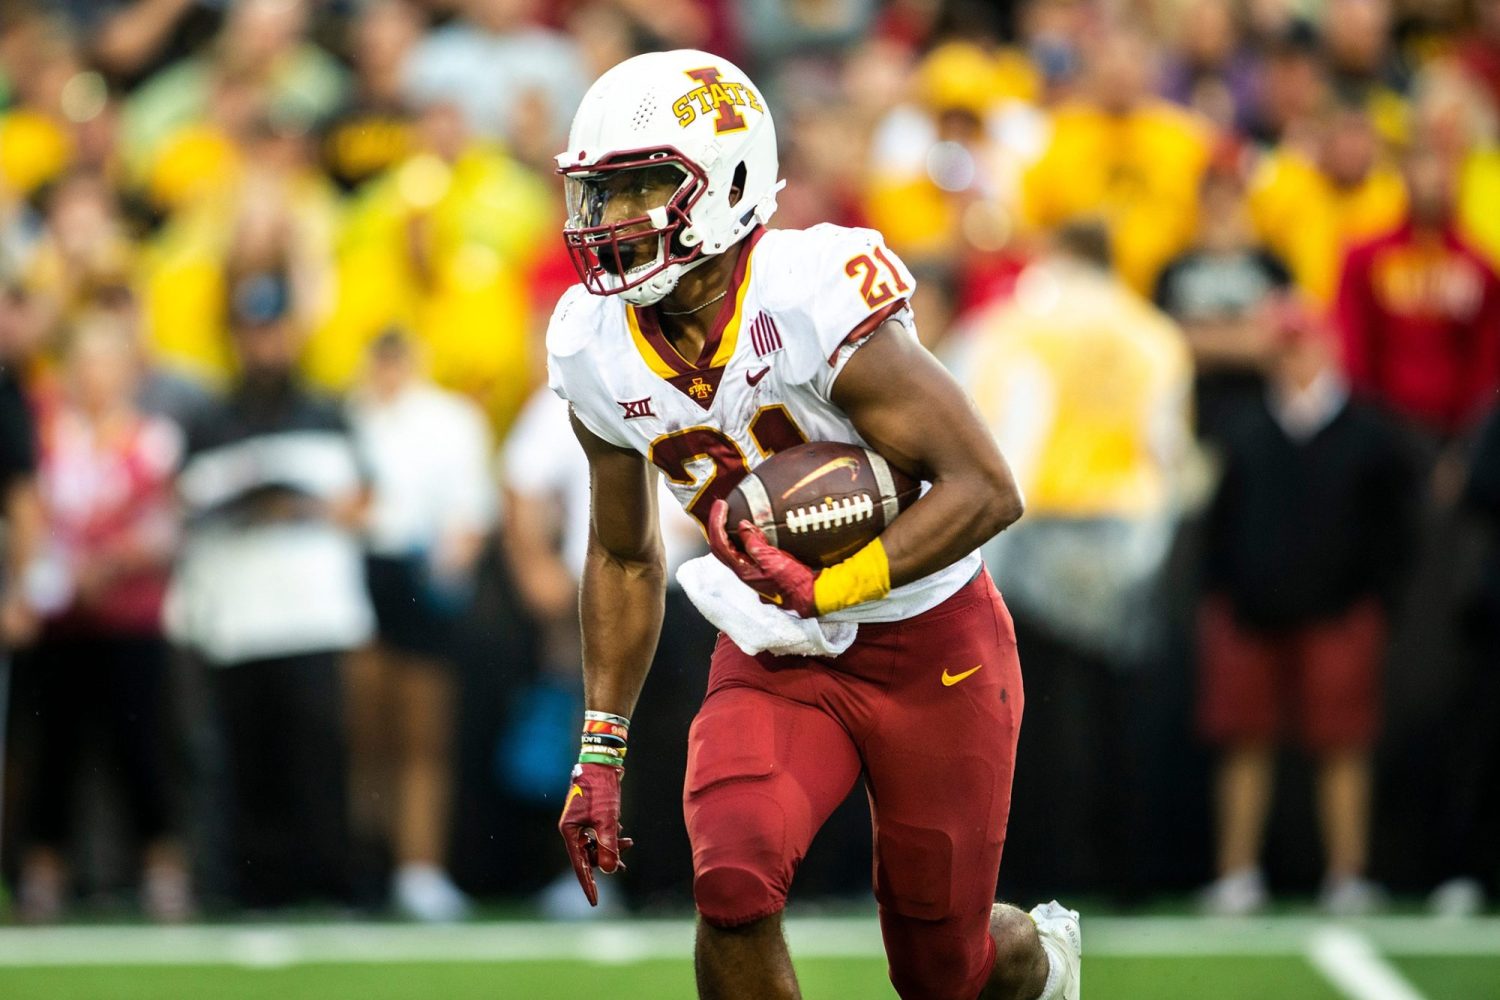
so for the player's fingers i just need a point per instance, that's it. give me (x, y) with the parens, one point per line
(579, 856)
(604, 853)
(753, 541)
(605, 833)
(718, 534)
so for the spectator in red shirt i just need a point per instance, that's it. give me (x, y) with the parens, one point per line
(100, 663)
(1419, 312)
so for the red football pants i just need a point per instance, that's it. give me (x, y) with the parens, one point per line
(928, 710)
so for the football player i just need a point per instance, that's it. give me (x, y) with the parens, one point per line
(700, 342)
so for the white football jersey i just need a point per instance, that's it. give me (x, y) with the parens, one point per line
(801, 301)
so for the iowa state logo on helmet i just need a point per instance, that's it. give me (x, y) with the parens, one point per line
(717, 97)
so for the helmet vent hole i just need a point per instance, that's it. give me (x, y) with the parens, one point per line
(644, 112)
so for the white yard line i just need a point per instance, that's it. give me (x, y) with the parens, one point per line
(623, 942)
(1350, 962)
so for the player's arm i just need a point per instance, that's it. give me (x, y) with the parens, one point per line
(624, 576)
(623, 593)
(912, 411)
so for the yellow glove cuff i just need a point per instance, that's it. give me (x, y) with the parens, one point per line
(864, 576)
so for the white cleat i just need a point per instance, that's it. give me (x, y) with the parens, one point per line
(1238, 894)
(1351, 896)
(563, 900)
(1062, 939)
(426, 894)
(1457, 899)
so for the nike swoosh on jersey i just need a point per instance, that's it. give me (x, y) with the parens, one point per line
(951, 679)
(755, 379)
(576, 793)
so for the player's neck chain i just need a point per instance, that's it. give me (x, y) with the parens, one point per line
(697, 308)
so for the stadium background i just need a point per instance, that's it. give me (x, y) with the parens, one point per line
(174, 172)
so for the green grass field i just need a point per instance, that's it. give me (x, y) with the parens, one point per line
(837, 959)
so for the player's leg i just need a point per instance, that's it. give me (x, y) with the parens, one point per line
(764, 772)
(940, 761)
(750, 960)
(1021, 964)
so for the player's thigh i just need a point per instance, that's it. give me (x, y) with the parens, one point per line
(764, 773)
(940, 764)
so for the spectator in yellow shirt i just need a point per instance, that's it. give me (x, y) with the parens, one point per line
(1123, 155)
(1086, 383)
(441, 245)
(268, 209)
(1086, 386)
(1309, 207)
(372, 131)
(946, 167)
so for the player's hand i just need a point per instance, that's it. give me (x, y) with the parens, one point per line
(590, 824)
(778, 577)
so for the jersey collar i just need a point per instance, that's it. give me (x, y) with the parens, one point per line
(718, 347)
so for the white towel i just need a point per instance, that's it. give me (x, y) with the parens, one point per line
(752, 625)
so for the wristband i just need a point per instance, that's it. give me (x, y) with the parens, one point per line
(604, 739)
(864, 576)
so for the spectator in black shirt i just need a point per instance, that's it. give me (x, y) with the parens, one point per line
(1308, 540)
(373, 132)
(1221, 292)
(270, 593)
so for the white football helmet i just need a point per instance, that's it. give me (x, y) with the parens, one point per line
(687, 112)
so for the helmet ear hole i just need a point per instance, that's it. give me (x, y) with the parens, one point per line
(737, 185)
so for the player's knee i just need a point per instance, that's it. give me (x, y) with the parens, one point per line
(731, 896)
(741, 870)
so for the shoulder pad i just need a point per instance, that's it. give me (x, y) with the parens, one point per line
(575, 320)
(803, 259)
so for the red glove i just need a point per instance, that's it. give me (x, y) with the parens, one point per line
(590, 824)
(778, 578)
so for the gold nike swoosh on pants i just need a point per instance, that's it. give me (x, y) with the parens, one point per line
(951, 679)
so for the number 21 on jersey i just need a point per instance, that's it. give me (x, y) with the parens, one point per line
(772, 429)
(876, 292)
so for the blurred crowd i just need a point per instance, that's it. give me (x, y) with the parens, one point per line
(292, 536)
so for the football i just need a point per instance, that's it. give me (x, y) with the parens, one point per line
(822, 501)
